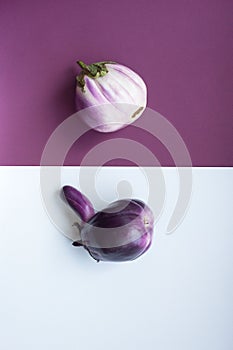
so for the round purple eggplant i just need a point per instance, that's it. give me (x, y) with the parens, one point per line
(121, 232)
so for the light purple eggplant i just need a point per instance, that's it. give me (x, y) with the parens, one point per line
(121, 232)
(111, 95)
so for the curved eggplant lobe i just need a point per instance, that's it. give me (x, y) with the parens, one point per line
(80, 204)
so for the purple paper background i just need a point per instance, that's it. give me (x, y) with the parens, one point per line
(183, 50)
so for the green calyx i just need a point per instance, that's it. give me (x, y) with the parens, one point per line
(94, 70)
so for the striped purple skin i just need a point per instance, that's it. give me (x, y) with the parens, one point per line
(79, 203)
(117, 99)
(127, 252)
(103, 91)
(121, 232)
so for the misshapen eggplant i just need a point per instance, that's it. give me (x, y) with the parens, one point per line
(121, 232)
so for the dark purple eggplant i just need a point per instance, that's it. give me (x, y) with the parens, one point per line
(81, 205)
(121, 232)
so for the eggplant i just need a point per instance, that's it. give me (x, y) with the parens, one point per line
(81, 204)
(121, 232)
(112, 95)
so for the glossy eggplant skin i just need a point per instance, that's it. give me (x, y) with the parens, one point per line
(121, 232)
(78, 202)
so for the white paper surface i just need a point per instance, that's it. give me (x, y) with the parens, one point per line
(177, 296)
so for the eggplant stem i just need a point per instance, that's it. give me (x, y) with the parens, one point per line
(77, 244)
(81, 64)
(93, 71)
